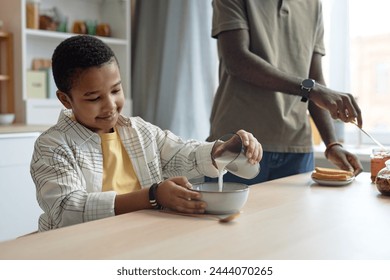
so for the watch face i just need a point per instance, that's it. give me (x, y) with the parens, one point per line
(308, 83)
(306, 87)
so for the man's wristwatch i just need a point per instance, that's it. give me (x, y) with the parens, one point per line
(306, 87)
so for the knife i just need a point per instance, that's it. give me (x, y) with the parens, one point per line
(370, 136)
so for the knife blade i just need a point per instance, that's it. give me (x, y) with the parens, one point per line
(370, 136)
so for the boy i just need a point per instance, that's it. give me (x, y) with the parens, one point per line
(95, 163)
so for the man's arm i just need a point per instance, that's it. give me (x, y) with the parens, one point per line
(242, 63)
(334, 152)
(321, 117)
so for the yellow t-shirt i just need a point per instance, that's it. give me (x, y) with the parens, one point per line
(118, 171)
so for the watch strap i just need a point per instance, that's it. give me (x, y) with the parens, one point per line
(305, 98)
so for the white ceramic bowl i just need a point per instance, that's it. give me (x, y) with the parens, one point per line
(231, 200)
(7, 119)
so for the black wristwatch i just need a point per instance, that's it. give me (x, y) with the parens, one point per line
(306, 87)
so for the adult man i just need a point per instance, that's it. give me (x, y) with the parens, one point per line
(270, 77)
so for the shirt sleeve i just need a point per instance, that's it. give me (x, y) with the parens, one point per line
(319, 46)
(228, 15)
(190, 158)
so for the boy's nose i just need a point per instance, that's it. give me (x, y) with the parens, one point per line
(110, 104)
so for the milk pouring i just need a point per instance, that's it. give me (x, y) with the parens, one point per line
(231, 157)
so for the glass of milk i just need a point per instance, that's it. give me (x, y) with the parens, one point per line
(228, 154)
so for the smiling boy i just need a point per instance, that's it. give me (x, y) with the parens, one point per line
(96, 163)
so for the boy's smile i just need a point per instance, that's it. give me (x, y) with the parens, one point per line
(96, 97)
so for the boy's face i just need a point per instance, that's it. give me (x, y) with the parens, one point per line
(96, 97)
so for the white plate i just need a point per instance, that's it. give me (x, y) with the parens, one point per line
(333, 183)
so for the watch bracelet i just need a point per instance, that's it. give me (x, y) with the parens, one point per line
(153, 196)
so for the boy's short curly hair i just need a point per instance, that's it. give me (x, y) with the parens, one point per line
(76, 54)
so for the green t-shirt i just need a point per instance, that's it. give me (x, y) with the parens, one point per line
(285, 34)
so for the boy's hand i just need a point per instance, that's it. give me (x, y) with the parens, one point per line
(253, 149)
(234, 144)
(176, 194)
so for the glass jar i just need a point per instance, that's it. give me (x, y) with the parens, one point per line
(32, 14)
(378, 159)
(382, 180)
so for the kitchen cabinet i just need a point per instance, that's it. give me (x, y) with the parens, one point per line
(18, 205)
(6, 73)
(35, 43)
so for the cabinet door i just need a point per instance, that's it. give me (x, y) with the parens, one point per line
(18, 205)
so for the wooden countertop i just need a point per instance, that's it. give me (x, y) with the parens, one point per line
(287, 219)
(22, 128)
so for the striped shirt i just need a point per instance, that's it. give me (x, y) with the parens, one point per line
(67, 167)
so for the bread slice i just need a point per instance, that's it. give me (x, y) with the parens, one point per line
(332, 171)
(330, 174)
(330, 177)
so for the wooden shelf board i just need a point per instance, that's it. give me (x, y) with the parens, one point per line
(4, 34)
(63, 35)
(4, 78)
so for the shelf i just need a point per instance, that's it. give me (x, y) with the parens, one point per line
(63, 35)
(4, 78)
(4, 34)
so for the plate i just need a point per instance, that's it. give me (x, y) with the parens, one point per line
(333, 183)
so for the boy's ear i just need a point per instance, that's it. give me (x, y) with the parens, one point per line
(64, 99)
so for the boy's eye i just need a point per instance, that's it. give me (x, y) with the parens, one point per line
(116, 91)
(93, 99)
